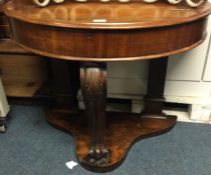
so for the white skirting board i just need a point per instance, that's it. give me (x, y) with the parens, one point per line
(199, 109)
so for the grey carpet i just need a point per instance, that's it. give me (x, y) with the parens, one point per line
(32, 147)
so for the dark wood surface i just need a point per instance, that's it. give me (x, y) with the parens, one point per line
(117, 15)
(93, 78)
(8, 46)
(123, 131)
(4, 26)
(74, 36)
(156, 82)
(132, 31)
(78, 44)
(65, 82)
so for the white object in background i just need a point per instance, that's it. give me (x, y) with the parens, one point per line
(205, 109)
(127, 77)
(124, 0)
(71, 164)
(44, 3)
(104, 0)
(81, 0)
(149, 1)
(138, 106)
(4, 109)
(174, 1)
(200, 112)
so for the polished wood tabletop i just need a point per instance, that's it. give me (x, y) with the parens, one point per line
(87, 31)
(112, 15)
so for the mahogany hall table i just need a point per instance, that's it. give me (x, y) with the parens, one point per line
(94, 33)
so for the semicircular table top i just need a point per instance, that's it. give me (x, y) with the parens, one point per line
(96, 31)
(100, 15)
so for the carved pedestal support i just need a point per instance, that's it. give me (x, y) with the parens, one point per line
(102, 138)
(93, 85)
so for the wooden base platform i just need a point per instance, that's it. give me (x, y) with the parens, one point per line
(123, 130)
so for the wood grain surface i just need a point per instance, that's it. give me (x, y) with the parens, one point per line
(113, 15)
(123, 131)
(108, 45)
(135, 31)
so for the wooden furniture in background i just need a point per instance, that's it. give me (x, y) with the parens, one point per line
(21, 72)
(31, 79)
(38, 77)
(93, 34)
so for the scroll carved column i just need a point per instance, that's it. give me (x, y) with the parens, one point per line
(93, 85)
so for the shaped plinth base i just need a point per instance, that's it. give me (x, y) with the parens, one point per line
(123, 130)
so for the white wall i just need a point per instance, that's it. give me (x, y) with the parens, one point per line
(207, 72)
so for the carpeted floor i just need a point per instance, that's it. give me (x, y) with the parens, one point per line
(32, 147)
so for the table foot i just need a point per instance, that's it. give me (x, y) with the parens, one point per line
(99, 156)
(122, 131)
